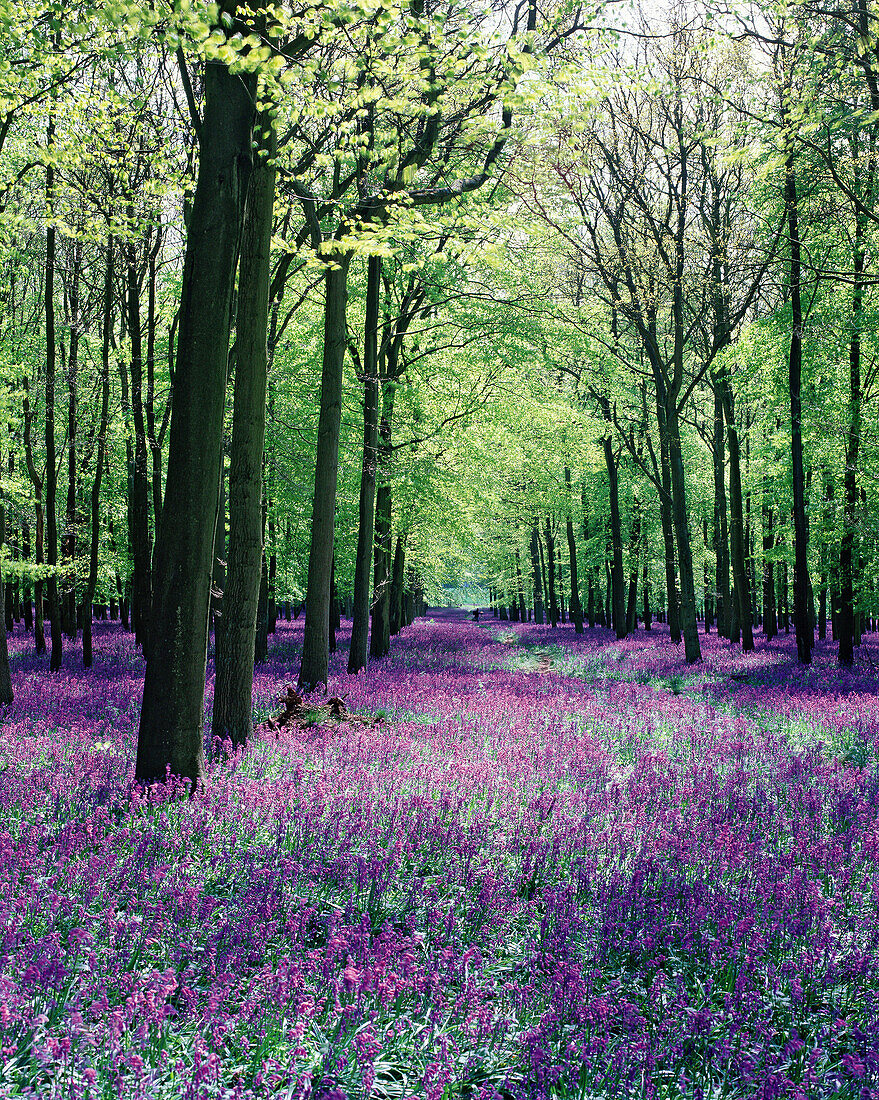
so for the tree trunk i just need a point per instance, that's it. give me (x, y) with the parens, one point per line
(550, 573)
(100, 459)
(576, 606)
(141, 548)
(396, 601)
(5, 677)
(51, 460)
(737, 544)
(170, 735)
(535, 570)
(666, 521)
(357, 656)
(804, 634)
(313, 670)
(379, 639)
(634, 549)
(68, 543)
(689, 626)
(770, 618)
(618, 598)
(236, 641)
(846, 629)
(520, 588)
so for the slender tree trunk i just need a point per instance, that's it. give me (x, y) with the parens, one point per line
(689, 625)
(535, 571)
(634, 549)
(236, 641)
(795, 367)
(645, 588)
(737, 543)
(520, 587)
(357, 657)
(68, 543)
(51, 459)
(770, 618)
(170, 735)
(666, 521)
(618, 598)
(95, 528)
(313, 670)
(397, 580)
(261, 638)
(141, 547)
(576, 606)
(550, 573)
(5, 676)
(379, 639)
(846, 629)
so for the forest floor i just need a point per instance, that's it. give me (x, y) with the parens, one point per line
(548, 865)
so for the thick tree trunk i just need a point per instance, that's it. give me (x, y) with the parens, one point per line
(233, 691)
(313, 670)
(357, 656)
(95, 526)
(795, 368)
(170, 735)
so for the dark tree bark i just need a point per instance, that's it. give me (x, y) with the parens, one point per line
(668, 538)
(261, 638)
(634, 550)
(357, 656)
(5, 676)
(397, 580)
(520, 588)
(100, 459)
(236, 641)
(645, 588)
(313, 670)
(534, 546)
(576, 606)
(51, 459)
(380, 633)
(68, 543)
(737, 542)
(805, 637)
(770, 618)
(170, 735)
(689, 626)
(618, 598)
(846, 628)
(719, 529)
(141, 547)
(550, 573)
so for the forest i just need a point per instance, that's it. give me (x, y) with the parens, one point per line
(439, 549)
